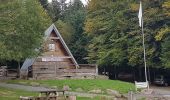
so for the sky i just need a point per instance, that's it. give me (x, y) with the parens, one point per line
(83, 1)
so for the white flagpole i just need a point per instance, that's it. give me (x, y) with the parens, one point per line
(144, 49)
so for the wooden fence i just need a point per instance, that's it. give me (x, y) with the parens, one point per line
(8, 73)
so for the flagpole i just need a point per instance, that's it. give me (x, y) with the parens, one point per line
(144, 53)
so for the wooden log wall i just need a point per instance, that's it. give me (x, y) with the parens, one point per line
(45, 70)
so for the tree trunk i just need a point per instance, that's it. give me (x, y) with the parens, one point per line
(140, 74)
(133, 73)
(104, 70)
(149, 77)
(18, 69)
(115, 72)
(154, 73)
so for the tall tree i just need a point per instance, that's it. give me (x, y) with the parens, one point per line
(163, 35)
(105, 23)
(54, 10)
(22, 26)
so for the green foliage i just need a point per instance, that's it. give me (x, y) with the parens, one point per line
(166, 52)
(44, 3)
(54, 10)
(105, 22)
(22, 28)
(66, 30)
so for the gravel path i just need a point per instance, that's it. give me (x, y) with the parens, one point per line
(24, 87)
(161, 90)
(159, 93)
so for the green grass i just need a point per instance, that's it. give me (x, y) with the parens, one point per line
(86, 85)
(11, 94)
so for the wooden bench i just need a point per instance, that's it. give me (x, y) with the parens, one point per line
(141, 85)
(26, 98)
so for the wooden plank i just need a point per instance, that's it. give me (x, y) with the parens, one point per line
(76, 70)
(85, 74)
(68, 74)
(49, 68)
(44, 63)
(54, 38)
(86, 71)
(43, 67)
(43, 72)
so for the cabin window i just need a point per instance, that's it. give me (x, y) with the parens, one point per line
(51, 47)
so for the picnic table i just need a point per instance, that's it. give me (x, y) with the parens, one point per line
(45, 95)
(51, 92)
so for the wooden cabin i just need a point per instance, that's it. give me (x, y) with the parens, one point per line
(56, 61)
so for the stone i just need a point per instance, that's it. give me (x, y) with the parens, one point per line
(114, 93)
(34, 84)
(66, 88)
(79, 90)
(96, 91)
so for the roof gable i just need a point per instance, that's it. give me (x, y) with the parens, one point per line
(29, 62)
(47, 34)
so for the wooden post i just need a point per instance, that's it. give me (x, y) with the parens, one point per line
(71, 97)
(130, 95)
(55, 69)
(96, 70)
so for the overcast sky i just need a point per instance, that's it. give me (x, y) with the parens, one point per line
(84, 1)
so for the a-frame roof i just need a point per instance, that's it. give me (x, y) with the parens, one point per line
(28, 62)
(47, 34)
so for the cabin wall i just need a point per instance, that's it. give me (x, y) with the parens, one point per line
(50, 70)
(59, 49)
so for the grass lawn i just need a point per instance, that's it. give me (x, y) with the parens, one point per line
(11, 94)
(85, 85)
